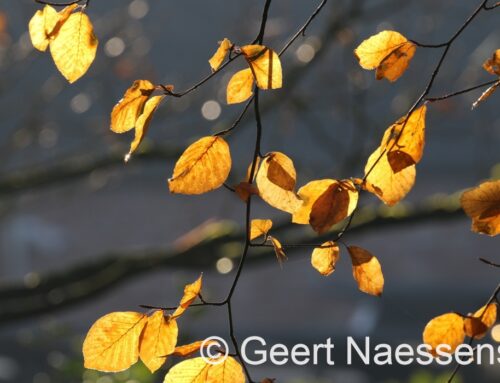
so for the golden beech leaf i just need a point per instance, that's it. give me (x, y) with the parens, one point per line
(244, 190)
(126, 112)
(367, 271)
(404, 140)
(158, 340)
(390, 187)
(446, 329)
(276, 180)
(492, 65)
(204, 166)
(191, 292)
(333, 205)
(197, 370)
(240, 86)
(388, 52)
(265, 65)
(259, 227)
(325, 257)
(188, 349)
(278, 250)
(220, 55)
(142, 123)
(481, 321)
(482, 204)
(112, 343)
(487, 93)
(74, 47)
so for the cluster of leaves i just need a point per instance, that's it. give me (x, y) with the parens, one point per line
(117, 340)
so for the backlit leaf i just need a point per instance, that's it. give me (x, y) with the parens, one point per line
(112, 343)
(158, 340)
(390, 187)
(188, 349)
(482, 204)
(265, 65)
(244, 190)
(324, 258)
(220, 55)
(130, 107)
(367, 271)
(197, 370)
(240, 86)
(191, 292)
(74, 47)
(409, 133)
(492, 65)
(482, 320)
(259, 227)
(278, 250)
(276, 180)
(142, 123)
(388, 52)
(204, 166)
(446, 329)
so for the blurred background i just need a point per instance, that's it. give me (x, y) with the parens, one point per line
(82, 234)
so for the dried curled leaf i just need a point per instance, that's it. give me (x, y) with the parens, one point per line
(388, 52)
(204, 166)
(366, 270)
(259, 227)
(482, 204)
(158, 340)
(405, 139)
(325, 257)
(278, 250)
(335, 204)
(220, 55)
(390, 187)
(197, 370)
(112, 343)
(481, 321)
(492, 65)
(240, 86)
(487, 93)
(191, 292)
(74, 47)
(265, 65)
(142, 123)
(188, 349)
(446, 329)
(276, 180)
(126, 112)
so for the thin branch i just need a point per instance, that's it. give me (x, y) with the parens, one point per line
(457, 93)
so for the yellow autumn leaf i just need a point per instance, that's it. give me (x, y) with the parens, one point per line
(204, 166)
(333, 205)
(278, 250)
(240, 86)
(220, 55)
(388, 52)
(126, 112)
(366, 270)
(41, 26)
(446, 329)
(390, 187)
(112, 343)
(481, 321)
(405, 139)
(259, 227)
(191, 292)
(188, 349)
(158, 340)
(265, 65)
(142, 123)
(74, 47)
(197, 370)
(482, 204)
(276, 180)
(325, 257)
(492, 65)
